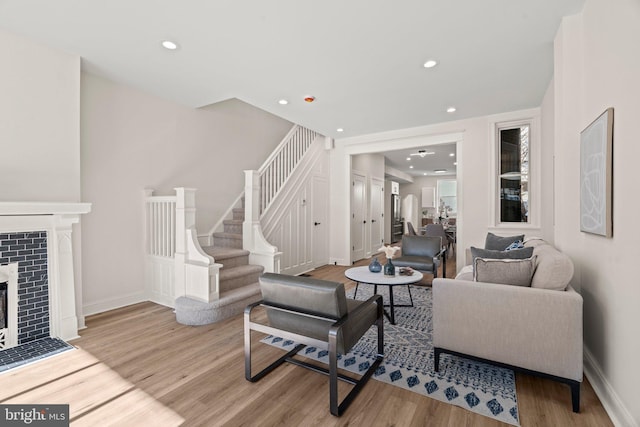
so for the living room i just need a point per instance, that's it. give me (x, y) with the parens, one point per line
(52, 152)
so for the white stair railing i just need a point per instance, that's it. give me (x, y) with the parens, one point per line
(160, 247)
(278, 167)
(160, 213)
(262, 187)
(176, 265)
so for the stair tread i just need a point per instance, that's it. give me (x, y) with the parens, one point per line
(228, 235)
(242, 270)
(219, 253)
(233, 222)
(226, 298)
(238, 293)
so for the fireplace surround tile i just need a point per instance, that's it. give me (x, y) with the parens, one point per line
(29, 250)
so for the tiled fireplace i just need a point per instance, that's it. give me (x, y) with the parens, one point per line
(28, 306)
(37, 290)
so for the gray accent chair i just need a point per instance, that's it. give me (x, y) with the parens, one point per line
(422, 253)
(316, 313)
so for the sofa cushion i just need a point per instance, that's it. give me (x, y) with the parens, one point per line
(466, 273)
(493, 254)
(516, 272)
(500, 243)
(554, 269)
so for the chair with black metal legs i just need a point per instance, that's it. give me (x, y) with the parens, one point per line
(316, 313)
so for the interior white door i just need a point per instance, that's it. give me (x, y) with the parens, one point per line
(358, 218)
(320, 218)
(377, 213)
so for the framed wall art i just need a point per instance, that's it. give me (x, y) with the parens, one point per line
(596, 163)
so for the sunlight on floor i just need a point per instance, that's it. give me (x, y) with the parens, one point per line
(96, 394)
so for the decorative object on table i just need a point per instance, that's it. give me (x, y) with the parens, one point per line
(408, 361)
(375, 266)
(596, 162)
(405, 271)
(389, 268)
(389, 251)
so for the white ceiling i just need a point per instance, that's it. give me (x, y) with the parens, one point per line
(440, 159)
(361, 59)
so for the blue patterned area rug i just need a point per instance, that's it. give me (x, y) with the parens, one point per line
(408, 361)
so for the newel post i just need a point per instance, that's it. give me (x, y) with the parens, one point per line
(261, 252)
(185, 219)
(251, 208)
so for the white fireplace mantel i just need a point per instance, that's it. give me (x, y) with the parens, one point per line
(57, 219)
(44, 208)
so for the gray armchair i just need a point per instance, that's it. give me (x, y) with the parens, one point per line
(316, 313)
(422, 253)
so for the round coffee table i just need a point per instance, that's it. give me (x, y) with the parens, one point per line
(364, 276)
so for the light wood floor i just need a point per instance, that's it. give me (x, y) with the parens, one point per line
(136, 366)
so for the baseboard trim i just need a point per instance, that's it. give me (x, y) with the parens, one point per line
(619, 414)
(111, 304)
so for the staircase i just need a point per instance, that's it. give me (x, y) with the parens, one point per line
(210, 284)
(239, 285)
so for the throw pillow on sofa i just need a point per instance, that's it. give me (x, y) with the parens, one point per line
(517, 272)
(501, 254)
(500, 243)
(554, 269)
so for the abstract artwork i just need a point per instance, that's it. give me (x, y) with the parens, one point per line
(596, 147)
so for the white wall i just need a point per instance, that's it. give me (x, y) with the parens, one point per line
(131, 141)
(40, 130)
(39, 122)
(371, 165)
(596, 67)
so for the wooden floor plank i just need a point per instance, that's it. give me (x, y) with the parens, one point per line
(30, 376)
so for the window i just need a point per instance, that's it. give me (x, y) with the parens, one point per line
(513, 173)
(447, 198)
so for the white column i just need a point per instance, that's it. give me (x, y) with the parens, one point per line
(64, 321)
(185, 219)
(262, 252)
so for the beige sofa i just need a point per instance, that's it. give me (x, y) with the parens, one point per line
(536, 329)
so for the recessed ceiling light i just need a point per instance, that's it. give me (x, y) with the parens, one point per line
(309, 98)
(168, 44)
(451, 110)
(408, 159)
(430, 63)
(411, 167)
(283, 102)
(425, 174)
(452, 154)
(440, 171)
(339, 130)
(455, 163)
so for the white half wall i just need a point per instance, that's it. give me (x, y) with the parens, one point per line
(596, 67)
(131, 141)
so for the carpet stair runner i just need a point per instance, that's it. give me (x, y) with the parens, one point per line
(239, 285)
